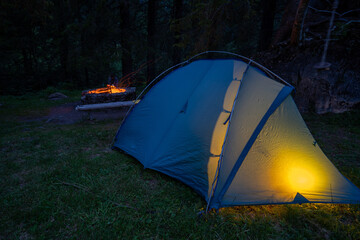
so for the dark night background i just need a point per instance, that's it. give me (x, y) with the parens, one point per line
(78, 44)
(59, 179)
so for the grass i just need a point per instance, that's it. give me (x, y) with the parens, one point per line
(63, 181)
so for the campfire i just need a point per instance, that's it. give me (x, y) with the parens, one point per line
(109, 89)
(111, 96)
(108, 94)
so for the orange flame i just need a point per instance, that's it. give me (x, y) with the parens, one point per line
(108, 89)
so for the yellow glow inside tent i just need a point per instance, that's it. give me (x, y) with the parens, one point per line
(294, 170)
(301, 178)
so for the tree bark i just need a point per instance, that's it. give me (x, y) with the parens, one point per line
(178, 12)
(300, 14)
(64, 43)
(84, 53)
(88, 107)
(267, 24)
(287, 22)
(28, 69)
(126, 57)
(151, 16)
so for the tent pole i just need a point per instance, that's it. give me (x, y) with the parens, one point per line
(223, 145)
(270, 73)
(247, 59)
(282, 95)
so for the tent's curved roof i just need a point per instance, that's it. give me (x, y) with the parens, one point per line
(232, 133)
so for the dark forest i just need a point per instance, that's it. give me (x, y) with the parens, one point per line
(214, 149)
(78, 44)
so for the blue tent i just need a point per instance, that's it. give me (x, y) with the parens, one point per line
(234, 134)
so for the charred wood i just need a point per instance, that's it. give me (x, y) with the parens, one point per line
(92, 98)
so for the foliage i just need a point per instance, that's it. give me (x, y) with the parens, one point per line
(63, 181)
(210, 26)
(79, 43)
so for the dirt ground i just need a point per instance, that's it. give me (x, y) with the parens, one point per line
(66, 114)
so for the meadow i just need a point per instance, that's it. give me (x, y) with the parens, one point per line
(63, 181)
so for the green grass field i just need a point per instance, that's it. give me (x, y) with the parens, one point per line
(63, 181)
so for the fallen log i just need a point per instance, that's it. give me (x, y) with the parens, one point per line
(88, 107)
(93, 98)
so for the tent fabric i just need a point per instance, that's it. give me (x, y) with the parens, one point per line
(284, 162)
(234, 135)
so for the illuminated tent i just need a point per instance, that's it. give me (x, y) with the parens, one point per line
(234, 134)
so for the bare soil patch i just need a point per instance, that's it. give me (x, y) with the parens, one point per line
(66, 114)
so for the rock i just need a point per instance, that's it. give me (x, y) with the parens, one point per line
(335, 90)
(57, 96)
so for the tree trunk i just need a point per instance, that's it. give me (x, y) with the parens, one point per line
(28, 65)
(178, 12)
(64, 43)
(84, 53)
(150, 40)
(287, 22)
(87, 79)
(300, 14)
(89, 107)
(267, 24)
(126, 58)
(64, 53)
